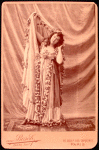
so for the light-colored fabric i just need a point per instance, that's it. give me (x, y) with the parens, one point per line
(53, 101)
(29, 72)
(77, 22)
(30, 111)
(52, 115)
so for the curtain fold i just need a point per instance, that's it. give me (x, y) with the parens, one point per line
(77, 22)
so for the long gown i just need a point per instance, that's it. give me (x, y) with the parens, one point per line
(50, 84)
(47, 109)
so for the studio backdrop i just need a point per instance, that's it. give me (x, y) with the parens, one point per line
(77, 22)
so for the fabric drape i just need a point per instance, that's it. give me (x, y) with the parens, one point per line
(77, 22)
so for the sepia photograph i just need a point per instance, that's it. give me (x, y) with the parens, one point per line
(49, 75)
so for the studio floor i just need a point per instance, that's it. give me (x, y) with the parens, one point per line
(71, 124)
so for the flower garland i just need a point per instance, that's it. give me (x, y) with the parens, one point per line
(47, 89)
(37, 87)
(62, 73)
(41, 104)
(27, 30)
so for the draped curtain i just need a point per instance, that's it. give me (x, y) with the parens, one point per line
(77, 22)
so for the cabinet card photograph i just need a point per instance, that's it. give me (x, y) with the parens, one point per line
(49, 75)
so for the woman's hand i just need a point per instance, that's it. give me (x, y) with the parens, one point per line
(60, 47)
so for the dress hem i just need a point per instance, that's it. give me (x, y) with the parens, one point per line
(50, 123)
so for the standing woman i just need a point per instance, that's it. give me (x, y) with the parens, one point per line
(47, 108)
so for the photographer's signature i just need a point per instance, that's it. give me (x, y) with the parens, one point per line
(20, 140)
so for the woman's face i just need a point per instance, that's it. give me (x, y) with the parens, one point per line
(54, 39)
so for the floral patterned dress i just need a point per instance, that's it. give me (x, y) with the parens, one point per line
(50, 87)
(48, 101)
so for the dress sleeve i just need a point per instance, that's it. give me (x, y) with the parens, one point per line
(43, 30)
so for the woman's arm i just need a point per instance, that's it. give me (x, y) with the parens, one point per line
(59, 57)
(39, 37)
